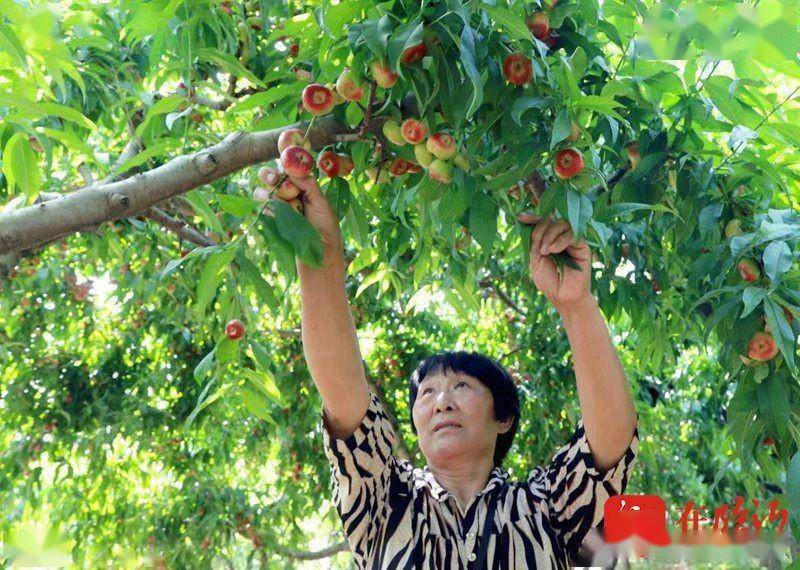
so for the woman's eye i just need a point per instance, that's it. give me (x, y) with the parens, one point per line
(426, 390)
(460, 383)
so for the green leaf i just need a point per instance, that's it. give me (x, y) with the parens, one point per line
(524, 103)
(67, 113)
(295, 229)
(256, 403)
(752, 297)
(561, 128)
(376, 35)
(513, 23)
(226, 350)
(252, 275)
(157, 149)
(160, 107)
(20, 166)
(781, 331)
(773, 404)
(483, 220)
(263, 381)
(229, 63)
(204, 366)
(580, 210)
(470, 67)
(199, 201)
(793, 487)
(211, 277)
(9, 42)
(777, 260)
(239, 206)
(265, 98)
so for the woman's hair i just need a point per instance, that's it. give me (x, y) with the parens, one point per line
(487, 371)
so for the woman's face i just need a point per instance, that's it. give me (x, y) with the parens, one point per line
(459, 398)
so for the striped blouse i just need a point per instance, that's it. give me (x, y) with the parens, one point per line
(397, 516)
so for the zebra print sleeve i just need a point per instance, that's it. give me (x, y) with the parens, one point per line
(361, 467)
(577, 490)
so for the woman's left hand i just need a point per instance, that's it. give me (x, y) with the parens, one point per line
(554, 236)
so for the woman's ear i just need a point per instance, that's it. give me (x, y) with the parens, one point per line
(506, 424)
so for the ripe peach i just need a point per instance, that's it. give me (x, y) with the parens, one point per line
(633, 154)
(347, 87)
(569, 163)
(297, 162)
(268, 176)
(329, 163)
(749, 270)
(413, 131)
(382, 75)
(234, 330)
(260, 194)
(317, 99)
(398, 167)
(517, 68)
(413, 168)
(539, 24)
(287, 191)
(291, 137)
(294, 49)
(762, 347)
(391, 130)
(514, 192)
(441, 145)
(414, 53)
(441, 171)
(345, 165)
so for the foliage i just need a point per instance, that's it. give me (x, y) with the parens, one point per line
(124, 411)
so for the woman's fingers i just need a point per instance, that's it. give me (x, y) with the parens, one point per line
(529, 217)
(537, 234)
(563, 242)
(554, 231)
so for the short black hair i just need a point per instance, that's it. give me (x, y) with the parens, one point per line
(490, 373)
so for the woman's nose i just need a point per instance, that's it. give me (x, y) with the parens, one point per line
(443, 401)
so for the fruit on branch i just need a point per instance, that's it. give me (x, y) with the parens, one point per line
(569, 163)
(260, 194)
(441, 145)
(391, 130)
(268, 175)
(749, 270)
(552, 41)
(302, 74)
(517, 68)
(574, 133)
(287, 191)
(337, 98)
(294, 49)
(514, 192)
(196, 117)
(234, 330)
(539, 24)
(225, 6)
(292, 137)
(423, 155)
(441, 171)
(317, 99)
(329, 163)
(413, 131)
(382, 75)
(414, 53)
(413, 168)
(769, 441)
(346, 165)
(762, 347)
(297, 162)
(733, 228)
(633, 154)
(461, 161)
(398, 167)
(347, 87)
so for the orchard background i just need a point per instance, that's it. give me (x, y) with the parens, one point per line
(133, 230)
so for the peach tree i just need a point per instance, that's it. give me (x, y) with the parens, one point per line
(149, 234)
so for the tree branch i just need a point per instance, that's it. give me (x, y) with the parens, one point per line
(503, 296)
(31, 226)
(178, 227)
(304, 555)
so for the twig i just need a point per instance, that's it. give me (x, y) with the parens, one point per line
(487, 282)
(368, 116)
(178, 227)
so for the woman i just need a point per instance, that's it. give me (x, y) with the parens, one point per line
(460, 510)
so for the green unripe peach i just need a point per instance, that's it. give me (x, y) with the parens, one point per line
(461, 161)
(733, 228)
(423, 156)
(391, 130)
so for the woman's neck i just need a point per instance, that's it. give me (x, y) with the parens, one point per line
(463, 481)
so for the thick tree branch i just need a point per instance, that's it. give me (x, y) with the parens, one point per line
(29, 227)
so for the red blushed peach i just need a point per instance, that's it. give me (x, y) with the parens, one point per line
(414, 53)
(260, 194)
(539, 24)
(268, 176)
(291, 137)
(234, 330)
(297, 162)
(347, 87)
(517, 69)
(398, 167)
(346, 165)
(762, 347)
(749, 270)
(413, 131)
(382, 75)
(317, 99)
(287, 191)
(569, 163)
(441, 171)
(441, 145)
(329, 163)
(633, 154)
